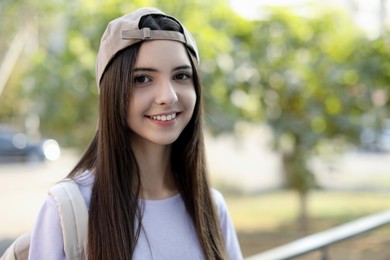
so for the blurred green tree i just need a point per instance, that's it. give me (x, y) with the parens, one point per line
(374, 71)
(307, 87)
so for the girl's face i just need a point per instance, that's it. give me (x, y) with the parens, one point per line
(163, 95)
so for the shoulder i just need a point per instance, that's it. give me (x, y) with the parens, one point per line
(47, 231)
(217, 196)
(227, 227)
(58, 211)
(86, 178)
(84, 183)
(219, 201)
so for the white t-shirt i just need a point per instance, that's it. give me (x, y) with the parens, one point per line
(167, 233)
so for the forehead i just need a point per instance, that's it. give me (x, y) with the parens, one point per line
(162, 53)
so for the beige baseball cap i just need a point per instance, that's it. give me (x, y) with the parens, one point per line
(124, 31)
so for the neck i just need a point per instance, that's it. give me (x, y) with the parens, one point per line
(155, 169)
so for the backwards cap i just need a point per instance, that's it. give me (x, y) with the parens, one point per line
(124, 31)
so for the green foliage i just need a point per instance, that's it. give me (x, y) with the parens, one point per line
(308, 78)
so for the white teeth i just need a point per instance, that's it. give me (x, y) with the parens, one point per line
(164, 118)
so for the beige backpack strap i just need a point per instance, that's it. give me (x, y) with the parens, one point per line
(74, 218)
(18, 250)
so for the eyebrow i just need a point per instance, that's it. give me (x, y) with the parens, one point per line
(183, 67)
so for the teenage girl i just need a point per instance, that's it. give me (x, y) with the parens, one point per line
(144, 176)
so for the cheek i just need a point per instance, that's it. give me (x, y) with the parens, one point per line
(136, 102)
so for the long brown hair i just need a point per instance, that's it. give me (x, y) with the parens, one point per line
(115, 216)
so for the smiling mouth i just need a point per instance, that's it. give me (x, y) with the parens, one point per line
(164, 117)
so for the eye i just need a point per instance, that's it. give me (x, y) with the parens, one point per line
(142, 79)
(182, 76)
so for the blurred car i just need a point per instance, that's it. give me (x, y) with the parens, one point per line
(15, 146)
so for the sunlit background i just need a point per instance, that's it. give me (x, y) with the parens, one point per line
(296, 107)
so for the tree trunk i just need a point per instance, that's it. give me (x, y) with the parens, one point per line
(303, 218)
(299, 179)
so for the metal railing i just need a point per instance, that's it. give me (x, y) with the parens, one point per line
(322, 240)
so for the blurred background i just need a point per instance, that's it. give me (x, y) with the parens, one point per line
(296, 98)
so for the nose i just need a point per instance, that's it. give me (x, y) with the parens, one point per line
(166, 94)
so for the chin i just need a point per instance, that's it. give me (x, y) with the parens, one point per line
(165, 141)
